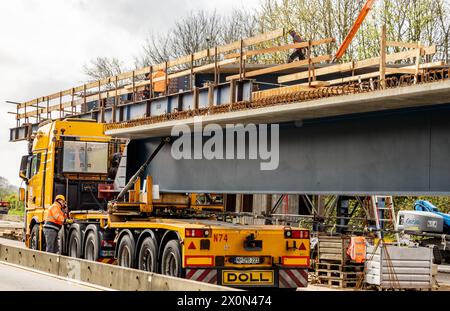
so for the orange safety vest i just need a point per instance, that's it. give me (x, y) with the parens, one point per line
(357, 249)
(55, 215)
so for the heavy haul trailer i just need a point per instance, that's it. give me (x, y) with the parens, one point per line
(172, 234)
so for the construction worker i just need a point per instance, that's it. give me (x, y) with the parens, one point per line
(298, 53)
(56, 218)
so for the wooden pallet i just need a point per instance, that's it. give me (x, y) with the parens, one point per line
(339, 283)
(339, 274)
(324, 265)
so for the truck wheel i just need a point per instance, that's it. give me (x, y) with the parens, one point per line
(34, 237)
(91, 247)
(171, 259)
(61, 242)
(148, 255)
(125, 253)
(446, 256)
(437, 255)
(74, 244)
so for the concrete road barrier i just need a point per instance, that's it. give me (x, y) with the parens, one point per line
(100, 274)
(444, 269)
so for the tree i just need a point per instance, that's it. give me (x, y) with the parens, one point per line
(426, 21)
(239, 24)
(103, 67)
(6, 188)
(407, 203)
(200, 30)
(443, 10)
(9, 193)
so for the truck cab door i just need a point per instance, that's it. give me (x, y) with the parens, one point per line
(36, 180)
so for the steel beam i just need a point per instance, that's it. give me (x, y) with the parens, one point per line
(401, 152)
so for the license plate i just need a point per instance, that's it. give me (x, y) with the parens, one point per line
(106, 253)
(247, 260)
(247, 278)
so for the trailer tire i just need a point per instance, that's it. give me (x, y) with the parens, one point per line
(446, 255)
(91, 247)
(171, 259)
(75, 248)
(437, 255)
(125, 252)
(34, 237)
(61, 242)
(148, 255)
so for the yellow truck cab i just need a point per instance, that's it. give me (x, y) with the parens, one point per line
(177, 235)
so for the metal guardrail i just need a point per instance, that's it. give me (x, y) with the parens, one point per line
(104, 275)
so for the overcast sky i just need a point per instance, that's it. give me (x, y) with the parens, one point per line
(45, 43)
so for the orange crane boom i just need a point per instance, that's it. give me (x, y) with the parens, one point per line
(362, 16)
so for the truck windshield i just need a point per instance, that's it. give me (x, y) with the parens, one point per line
(85, 157)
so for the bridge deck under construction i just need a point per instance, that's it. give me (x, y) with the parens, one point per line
(228, 79)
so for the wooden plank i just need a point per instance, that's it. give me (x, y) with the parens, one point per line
(383, 57)
(200, 69)
(282, 48)
(432, 65)
(186, 72)
(267, 50)
(277, 68)
(418, 59)
(352, 79)
(172, 63)
(409, 45)
(318, 84)
(401, 70)
(318, 72)
(260, 38)
(357, 65)
(389, 71)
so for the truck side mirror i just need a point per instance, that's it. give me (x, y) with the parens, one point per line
(23, 173)
(22, 194)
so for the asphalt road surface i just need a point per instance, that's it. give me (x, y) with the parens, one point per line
(17, 279)
(444, 278)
